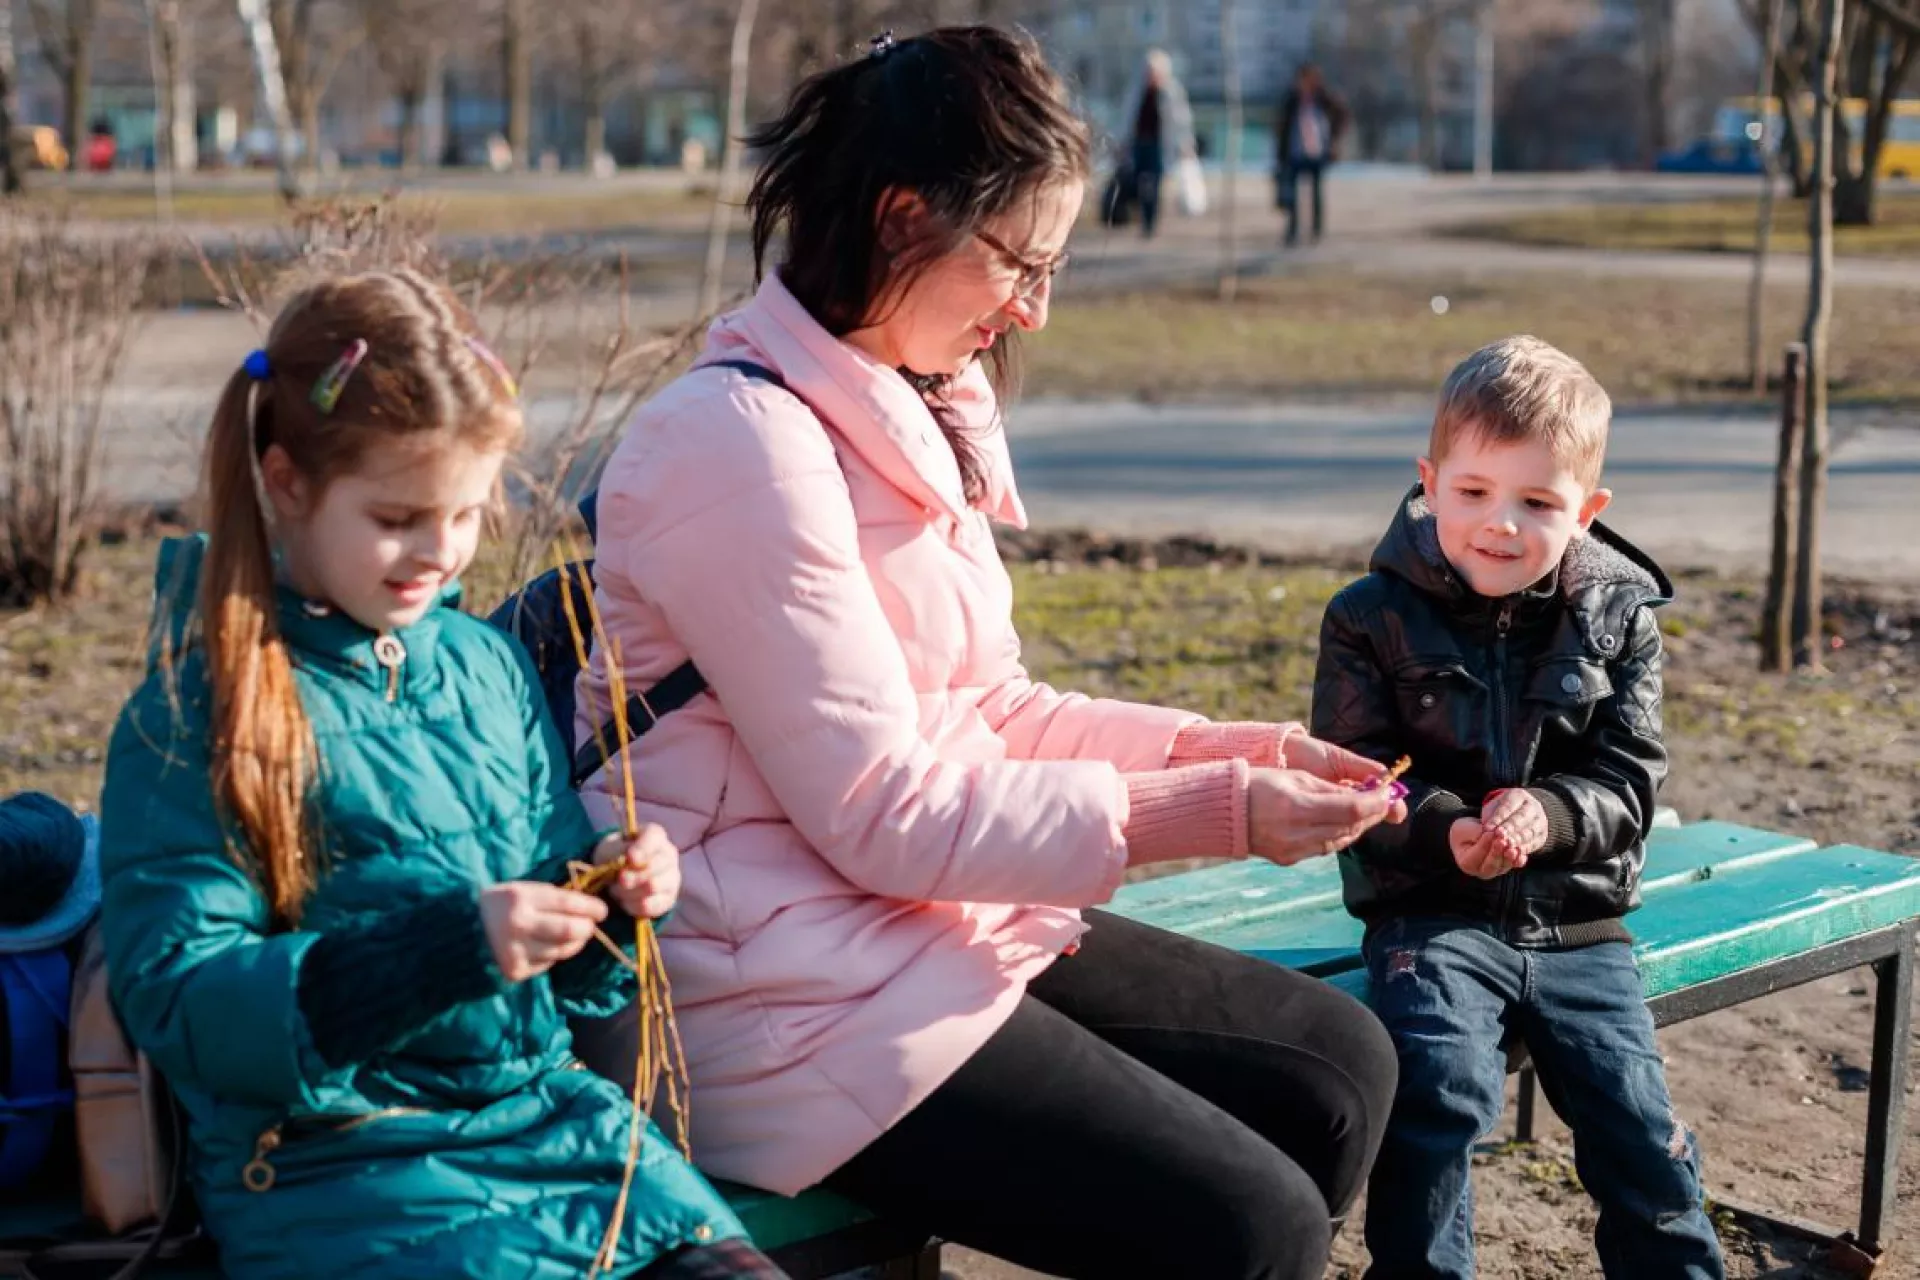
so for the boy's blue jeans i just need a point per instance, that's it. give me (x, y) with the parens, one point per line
(1449, 991)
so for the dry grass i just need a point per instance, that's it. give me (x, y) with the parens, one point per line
(1341, 334)
(1705, 226)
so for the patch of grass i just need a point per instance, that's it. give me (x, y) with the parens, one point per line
(1326, 333)
(1704, 226)
(502, 211)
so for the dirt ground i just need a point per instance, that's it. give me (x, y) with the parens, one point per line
(1776, 1089)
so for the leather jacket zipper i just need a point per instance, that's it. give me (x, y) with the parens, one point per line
(1502, 750)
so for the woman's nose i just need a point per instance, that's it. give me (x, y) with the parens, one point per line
(1030, 312)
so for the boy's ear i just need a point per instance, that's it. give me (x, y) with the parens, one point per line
(1597, 501)
(1429, 477)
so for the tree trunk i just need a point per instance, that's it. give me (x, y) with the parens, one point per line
(739, 64)
(1776, 615)
(596, 129)
(273, 89)
(176, 145)
(1230, 154)
(1656, 23)
(410, 150)
(12, 181)
(517, 50)
(1763, 222)
(1813, 458)
(75, 81)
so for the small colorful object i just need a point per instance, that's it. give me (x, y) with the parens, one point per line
(326, 392)
(1391, 779)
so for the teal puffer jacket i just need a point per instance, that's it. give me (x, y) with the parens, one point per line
(452, 1133)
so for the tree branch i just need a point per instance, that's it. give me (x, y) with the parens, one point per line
(1901, 20)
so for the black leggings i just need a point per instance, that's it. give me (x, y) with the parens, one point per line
(1155, 1107)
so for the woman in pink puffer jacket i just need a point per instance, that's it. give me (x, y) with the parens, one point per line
(884, 976)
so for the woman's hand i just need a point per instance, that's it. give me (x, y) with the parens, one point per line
(650, 885)
(1325, 761)
(533, 926)
(1293, 815)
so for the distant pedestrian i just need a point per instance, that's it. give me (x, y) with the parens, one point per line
(1312, 121)
(1159, 133)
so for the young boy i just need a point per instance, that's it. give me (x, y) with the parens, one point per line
(1506, 643)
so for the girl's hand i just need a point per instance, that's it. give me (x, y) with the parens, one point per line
(650, 885)
(1325, 761)
(1293, 815)
(533, 927)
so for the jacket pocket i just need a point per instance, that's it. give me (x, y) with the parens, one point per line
(1567, 689)
(1439, 700)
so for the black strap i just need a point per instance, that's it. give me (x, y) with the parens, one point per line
(681, 685)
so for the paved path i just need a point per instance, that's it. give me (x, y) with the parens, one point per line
(1691, 487)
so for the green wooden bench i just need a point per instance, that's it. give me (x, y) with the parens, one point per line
(1731, 913)
(818, 1234)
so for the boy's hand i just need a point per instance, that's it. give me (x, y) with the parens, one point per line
(1517, 821)
(533, 926)
(650, 885)
(1479, 852)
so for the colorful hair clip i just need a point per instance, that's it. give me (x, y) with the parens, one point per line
(258, 367)
(495, 363)
(326, 392)
(881, 45)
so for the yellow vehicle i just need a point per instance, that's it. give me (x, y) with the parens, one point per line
(38, 146)
(1899, 151)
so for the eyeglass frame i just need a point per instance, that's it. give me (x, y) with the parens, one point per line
(1033, 275)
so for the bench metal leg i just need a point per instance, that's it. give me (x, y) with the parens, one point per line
(924, 1265)
(1887, 1094)
(1523, 1117)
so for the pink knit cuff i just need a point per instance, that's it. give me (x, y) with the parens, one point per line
(1196, 812)
(1258, 743)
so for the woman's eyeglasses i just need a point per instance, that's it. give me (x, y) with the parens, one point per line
(1033, 275)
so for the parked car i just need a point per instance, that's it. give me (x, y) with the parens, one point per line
(1712, 155)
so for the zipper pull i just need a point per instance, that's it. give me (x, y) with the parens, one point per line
(258, 1175)
(392, 655)
(1504, 623)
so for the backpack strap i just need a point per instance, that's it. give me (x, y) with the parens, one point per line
(37, 990)
(684, 683)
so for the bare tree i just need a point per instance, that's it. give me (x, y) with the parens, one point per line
(1879, 43)
(1655, 28)
(741, 65)
(177, 149)
(65, 31)
(1236, 114)
(611, 45)
(1763, 223)
(314, 37)
(516, 53)
(12, 182)
(410, 39)
(68, 307)
(1813, 455)
(273, 89)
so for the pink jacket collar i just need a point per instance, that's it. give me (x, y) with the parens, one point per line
(871, 406)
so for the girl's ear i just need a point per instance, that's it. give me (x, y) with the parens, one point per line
(288, 491)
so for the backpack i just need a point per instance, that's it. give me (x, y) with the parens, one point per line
(36, 1093)
(536, 616)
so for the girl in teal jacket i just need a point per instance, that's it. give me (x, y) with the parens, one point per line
(335, 835)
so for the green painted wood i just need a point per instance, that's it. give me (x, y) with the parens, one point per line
(1256, 906)
(777, 1221)
(1787, 907)
(773, 1221)
(1676, 855)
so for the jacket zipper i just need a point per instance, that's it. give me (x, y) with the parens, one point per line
(391, 654)
(1502, 748)
(258, 1174)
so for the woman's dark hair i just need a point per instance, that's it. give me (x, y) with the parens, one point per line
(971, 119)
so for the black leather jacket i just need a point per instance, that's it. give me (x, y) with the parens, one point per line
(1556, 689)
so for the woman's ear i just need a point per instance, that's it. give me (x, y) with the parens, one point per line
(902, 218)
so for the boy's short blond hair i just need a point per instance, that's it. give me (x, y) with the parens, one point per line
(1520, 389)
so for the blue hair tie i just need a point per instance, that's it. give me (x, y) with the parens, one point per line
(258, 367)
